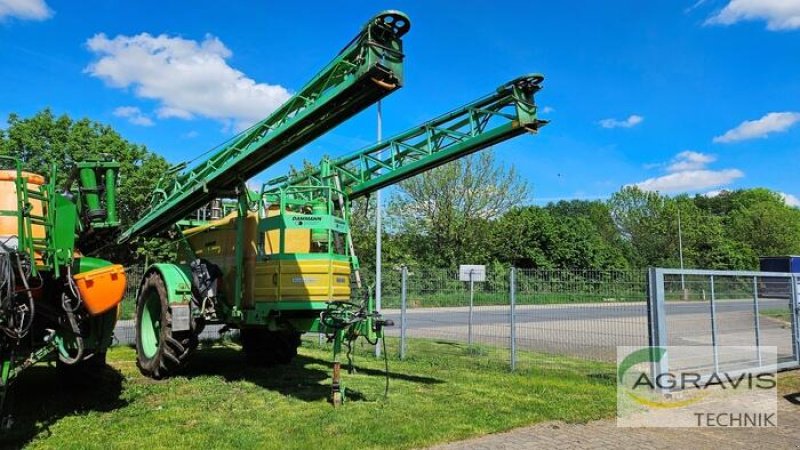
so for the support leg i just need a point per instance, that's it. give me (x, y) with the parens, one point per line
(337, 389)
(6, 420)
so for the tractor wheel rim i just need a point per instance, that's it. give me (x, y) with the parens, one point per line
(150, 325)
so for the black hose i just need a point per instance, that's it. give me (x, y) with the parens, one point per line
(386, 368)
(7, 292)
(65, 358)
(23, 330)
(70, 310)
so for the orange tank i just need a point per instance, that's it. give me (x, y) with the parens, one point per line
(101, 289)
(9, 226)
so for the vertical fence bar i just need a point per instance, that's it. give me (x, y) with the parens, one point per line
(757, 321)
(794, 302)
(471, 306)
(657, 318)
(403, 305)
(714, 348)
(513, 321)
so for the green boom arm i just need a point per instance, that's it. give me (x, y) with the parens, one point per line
(508, 112)
(366, 70)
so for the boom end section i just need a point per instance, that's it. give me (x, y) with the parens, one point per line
(392, 21)
(530, 84)
(523, 89)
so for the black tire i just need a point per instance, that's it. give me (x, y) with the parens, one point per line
(172, 349)
(265, 348)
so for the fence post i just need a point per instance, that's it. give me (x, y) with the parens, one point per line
(714, 348)
(471, 305)
(403, 306)
(656, 316)
(757, 320)
(513, 303)
(794, 304)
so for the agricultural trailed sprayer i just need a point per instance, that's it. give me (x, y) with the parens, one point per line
(282, 263)
(56, 302)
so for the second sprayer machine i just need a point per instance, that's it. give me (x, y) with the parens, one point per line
(282, 263)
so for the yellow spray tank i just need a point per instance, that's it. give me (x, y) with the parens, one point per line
(286, 256)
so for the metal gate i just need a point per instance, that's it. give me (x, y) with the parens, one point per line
(718, 313)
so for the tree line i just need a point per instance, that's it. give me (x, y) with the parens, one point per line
(44, 140)
(470, 211)
(473, 211)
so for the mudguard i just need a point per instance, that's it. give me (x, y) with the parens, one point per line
(177, 279)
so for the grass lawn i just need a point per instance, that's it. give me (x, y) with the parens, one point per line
(219, 402)
(782, 314)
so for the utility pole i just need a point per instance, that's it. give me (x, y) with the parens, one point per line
(378, 237)
(680, 255)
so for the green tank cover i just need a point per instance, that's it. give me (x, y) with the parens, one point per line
(88, 263)
(319, 234)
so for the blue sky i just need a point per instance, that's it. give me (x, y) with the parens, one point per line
(678, 96)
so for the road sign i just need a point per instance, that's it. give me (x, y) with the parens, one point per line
(478, 272)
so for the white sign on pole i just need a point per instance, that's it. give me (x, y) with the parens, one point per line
(471, 272)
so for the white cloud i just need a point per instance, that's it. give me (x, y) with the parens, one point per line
(689, 160)
(631, 121)
(690, 180)
(188, 78)
(134, 115)
(688, 172)
(25, 9)
(167, 112)
(790, 199)
(696, 5)
(547, 109)
(774, 122)
(779, 14)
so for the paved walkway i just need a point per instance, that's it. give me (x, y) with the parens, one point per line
(603, 434)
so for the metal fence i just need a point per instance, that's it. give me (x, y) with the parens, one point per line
(518, 317)
(522, 317)
(133, 275)
(534, 318)
(712, 315)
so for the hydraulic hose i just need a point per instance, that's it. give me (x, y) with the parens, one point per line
(70, 311)
(64, 357)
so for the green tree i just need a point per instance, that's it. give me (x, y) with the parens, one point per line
(601, 224)
(756, 222)
(728, 231)
(706, 244)
(534, 237)
(44, 140)
(525, 237)
(643, 221)
(446, 213)
(766, 224)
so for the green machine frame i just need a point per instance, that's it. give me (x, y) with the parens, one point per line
(504, 114)
(508, 112)
(86, 204)
(369, 68)
(366, 70)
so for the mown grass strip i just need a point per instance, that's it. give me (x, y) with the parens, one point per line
(444, 393)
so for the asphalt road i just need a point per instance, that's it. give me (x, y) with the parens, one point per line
(590, 330)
